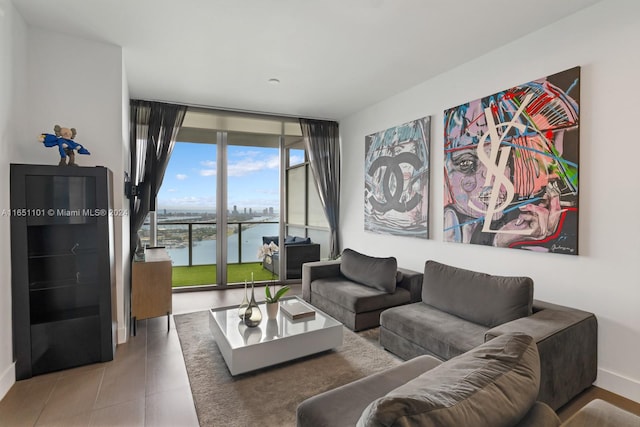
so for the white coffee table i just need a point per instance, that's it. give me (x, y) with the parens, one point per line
(274, 341)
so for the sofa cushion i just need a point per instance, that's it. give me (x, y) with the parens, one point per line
(438, 333)
(378, 273)
(492, 385)
(478, 297)
(355, 297)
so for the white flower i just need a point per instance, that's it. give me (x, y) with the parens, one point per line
(265, 250)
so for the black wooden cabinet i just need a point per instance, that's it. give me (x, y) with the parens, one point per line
(62, 267)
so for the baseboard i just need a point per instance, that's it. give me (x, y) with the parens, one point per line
(7, 380)
(619, 384)
(123, 335)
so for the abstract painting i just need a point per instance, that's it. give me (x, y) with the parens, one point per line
(396, 168)
(511, 167)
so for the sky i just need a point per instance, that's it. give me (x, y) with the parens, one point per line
(190, 179)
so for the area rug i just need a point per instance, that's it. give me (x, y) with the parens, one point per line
(269, 397)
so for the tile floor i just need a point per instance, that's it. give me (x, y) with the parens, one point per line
(145, 385)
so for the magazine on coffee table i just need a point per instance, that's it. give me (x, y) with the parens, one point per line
(296, 310)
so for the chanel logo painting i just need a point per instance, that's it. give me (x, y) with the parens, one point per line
(397, 180)
(511, 167)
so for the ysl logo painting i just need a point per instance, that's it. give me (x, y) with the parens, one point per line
(511, 167)
(397, 180)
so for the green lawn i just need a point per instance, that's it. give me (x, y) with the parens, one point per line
(206, 274)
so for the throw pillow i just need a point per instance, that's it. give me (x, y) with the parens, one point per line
(494, 384)
(268, 239)
(377, 273)
(301, 240)
(297, 240)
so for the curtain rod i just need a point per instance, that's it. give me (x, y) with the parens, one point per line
(234, 110)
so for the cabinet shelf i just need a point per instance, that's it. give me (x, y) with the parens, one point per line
(77, 253)
(59, 284)
(69, 314)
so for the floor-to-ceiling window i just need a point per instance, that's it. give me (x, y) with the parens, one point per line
(225, 188)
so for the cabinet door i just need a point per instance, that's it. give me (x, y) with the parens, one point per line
(151, 289)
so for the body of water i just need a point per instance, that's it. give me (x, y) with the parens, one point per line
(204, 251)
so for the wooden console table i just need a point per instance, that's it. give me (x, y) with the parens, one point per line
(151, 287)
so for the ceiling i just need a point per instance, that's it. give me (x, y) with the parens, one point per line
(332, 57)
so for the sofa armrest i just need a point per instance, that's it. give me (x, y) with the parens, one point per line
(599, 413)
(317, 270)
(546, 321)
(567, 342)
(297, 255)
(412, 281)
(270, 263)
(343, 405)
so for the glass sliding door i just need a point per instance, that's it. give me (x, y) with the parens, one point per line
(252, 204)
(187, 220)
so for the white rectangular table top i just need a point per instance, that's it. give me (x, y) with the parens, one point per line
(273, 341)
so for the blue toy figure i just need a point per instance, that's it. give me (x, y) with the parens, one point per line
(63, 139)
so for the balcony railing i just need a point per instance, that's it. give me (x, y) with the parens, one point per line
(182, 238)
(193, 244)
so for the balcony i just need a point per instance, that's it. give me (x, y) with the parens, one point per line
(192, 247)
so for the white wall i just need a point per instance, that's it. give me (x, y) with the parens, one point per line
(79, 83)
(13, 83)
(50, 79)
(604, 41)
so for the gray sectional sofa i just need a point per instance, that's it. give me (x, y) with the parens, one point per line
(493, 385)
(448, 311)
(461, 309)
(356, 288)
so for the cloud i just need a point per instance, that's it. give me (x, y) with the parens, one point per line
(248, 153)
(211, 168)
(171, 190)
(248, 166)
(245, 165)
(188, 202)
(181, 176)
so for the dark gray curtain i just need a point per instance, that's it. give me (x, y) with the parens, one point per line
(322, 140)
(154, 127)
